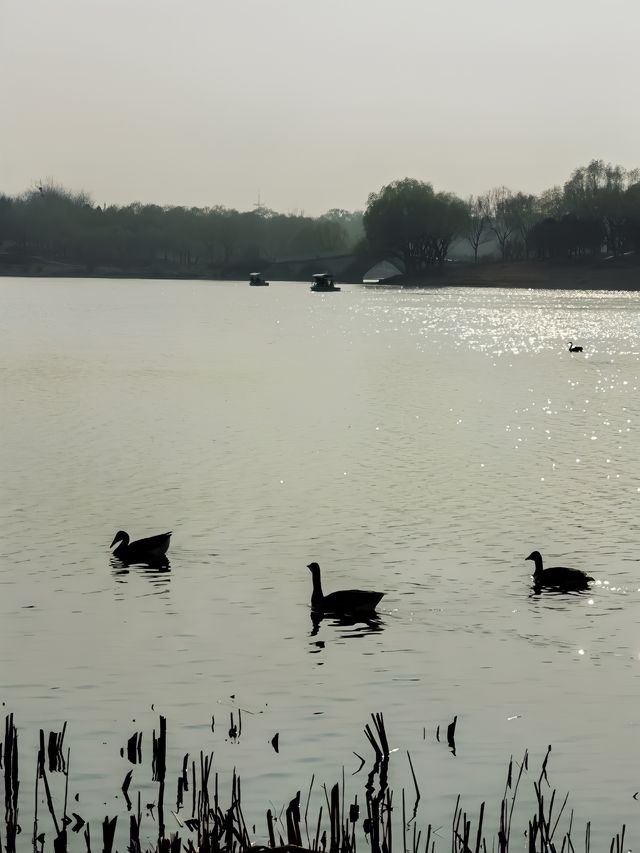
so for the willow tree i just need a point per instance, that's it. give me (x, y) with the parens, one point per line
(599, 191)
(409, 221)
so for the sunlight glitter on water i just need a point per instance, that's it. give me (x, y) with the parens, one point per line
(233, 420)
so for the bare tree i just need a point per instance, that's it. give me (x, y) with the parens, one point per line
(524, 211)
(479, 217)
(551, 203)
(500, 222)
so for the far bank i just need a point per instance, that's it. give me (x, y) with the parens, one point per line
(622, 273)
(609, 274)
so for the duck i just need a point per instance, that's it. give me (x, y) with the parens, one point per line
(149, 550)
(342, 602)
(574, 349)
(559, 577)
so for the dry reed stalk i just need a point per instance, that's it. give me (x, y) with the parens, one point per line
(214, 828)
(11, 783)
(160, 770)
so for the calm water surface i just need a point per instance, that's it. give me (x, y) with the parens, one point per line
(420, 443)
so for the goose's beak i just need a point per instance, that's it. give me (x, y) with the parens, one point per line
(114, 542)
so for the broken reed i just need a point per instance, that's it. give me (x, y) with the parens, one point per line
(214, 827)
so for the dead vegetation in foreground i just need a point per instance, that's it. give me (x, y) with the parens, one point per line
(373, 819)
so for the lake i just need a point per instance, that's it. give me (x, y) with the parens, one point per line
(419, 442)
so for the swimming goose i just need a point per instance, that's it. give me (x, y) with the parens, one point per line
(344, 601)
(559, 577)
(574, 349)
(149, 550)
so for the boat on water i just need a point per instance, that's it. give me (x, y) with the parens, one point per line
(256, 280)
(323, 282)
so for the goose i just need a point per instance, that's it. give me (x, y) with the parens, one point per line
(344, 601)
(150, 550)
(574, 349)
(559, 577)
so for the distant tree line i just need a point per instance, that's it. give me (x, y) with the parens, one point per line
(596, 210)
(52, 223)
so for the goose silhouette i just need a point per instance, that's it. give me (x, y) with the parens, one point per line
(346, 601)
(149, 550)
(558, 577)
(574, 349)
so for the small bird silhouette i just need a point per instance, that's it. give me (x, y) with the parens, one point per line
(150, 550)
(344, 601)
(558, 577)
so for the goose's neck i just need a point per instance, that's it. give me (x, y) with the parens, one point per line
(538, 566)
(317, 597)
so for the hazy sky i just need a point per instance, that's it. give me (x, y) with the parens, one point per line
(312, 103)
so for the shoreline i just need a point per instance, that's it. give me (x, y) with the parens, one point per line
(612, 274)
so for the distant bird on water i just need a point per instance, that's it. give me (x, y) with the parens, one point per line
(347, 601)
(558, 577)
(150, 550)
(574, 349)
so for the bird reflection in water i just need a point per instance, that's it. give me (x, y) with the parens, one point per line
(158, 574)
(541, 591)
(371, 623)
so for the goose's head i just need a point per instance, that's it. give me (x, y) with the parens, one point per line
(536, 556)
(313, 568)
(120, 536)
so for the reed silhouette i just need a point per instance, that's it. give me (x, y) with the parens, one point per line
(205, 823)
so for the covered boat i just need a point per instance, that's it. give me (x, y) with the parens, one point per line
(256, 280)
(323, 282)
